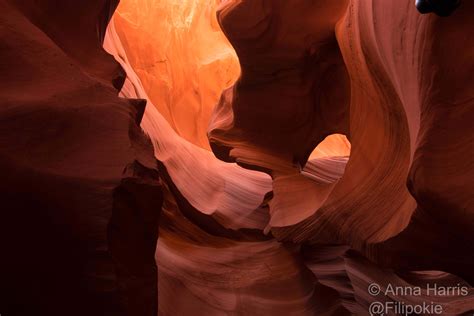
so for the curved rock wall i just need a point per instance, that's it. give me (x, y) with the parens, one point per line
(181, 57)
(338, 154)
(74, 164)
(364, 69)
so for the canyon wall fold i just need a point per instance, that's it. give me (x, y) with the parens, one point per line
(239, 157)
(310, 70)
(74, 165)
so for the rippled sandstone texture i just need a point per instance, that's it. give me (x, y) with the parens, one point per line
(309, 70)
(265, 223)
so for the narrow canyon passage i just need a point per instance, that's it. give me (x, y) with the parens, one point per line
(178, 58)
(236, 157)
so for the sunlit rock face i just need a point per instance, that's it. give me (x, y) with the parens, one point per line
(182, 58)
(314, 76)
(214, 209)
(294, 152)
(335, 145)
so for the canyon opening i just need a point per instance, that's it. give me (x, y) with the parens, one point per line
(236, 157)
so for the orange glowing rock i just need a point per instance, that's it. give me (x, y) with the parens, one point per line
(335, 145)
(182, 58)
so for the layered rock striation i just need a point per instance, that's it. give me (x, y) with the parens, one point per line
(289, 154)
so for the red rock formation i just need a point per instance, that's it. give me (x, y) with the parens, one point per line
(73, 160)
(341, 157)
(289, 55)
(182, 58)
(293, 92)
(403, 83)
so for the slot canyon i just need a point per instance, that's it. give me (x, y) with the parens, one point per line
(237, 157)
